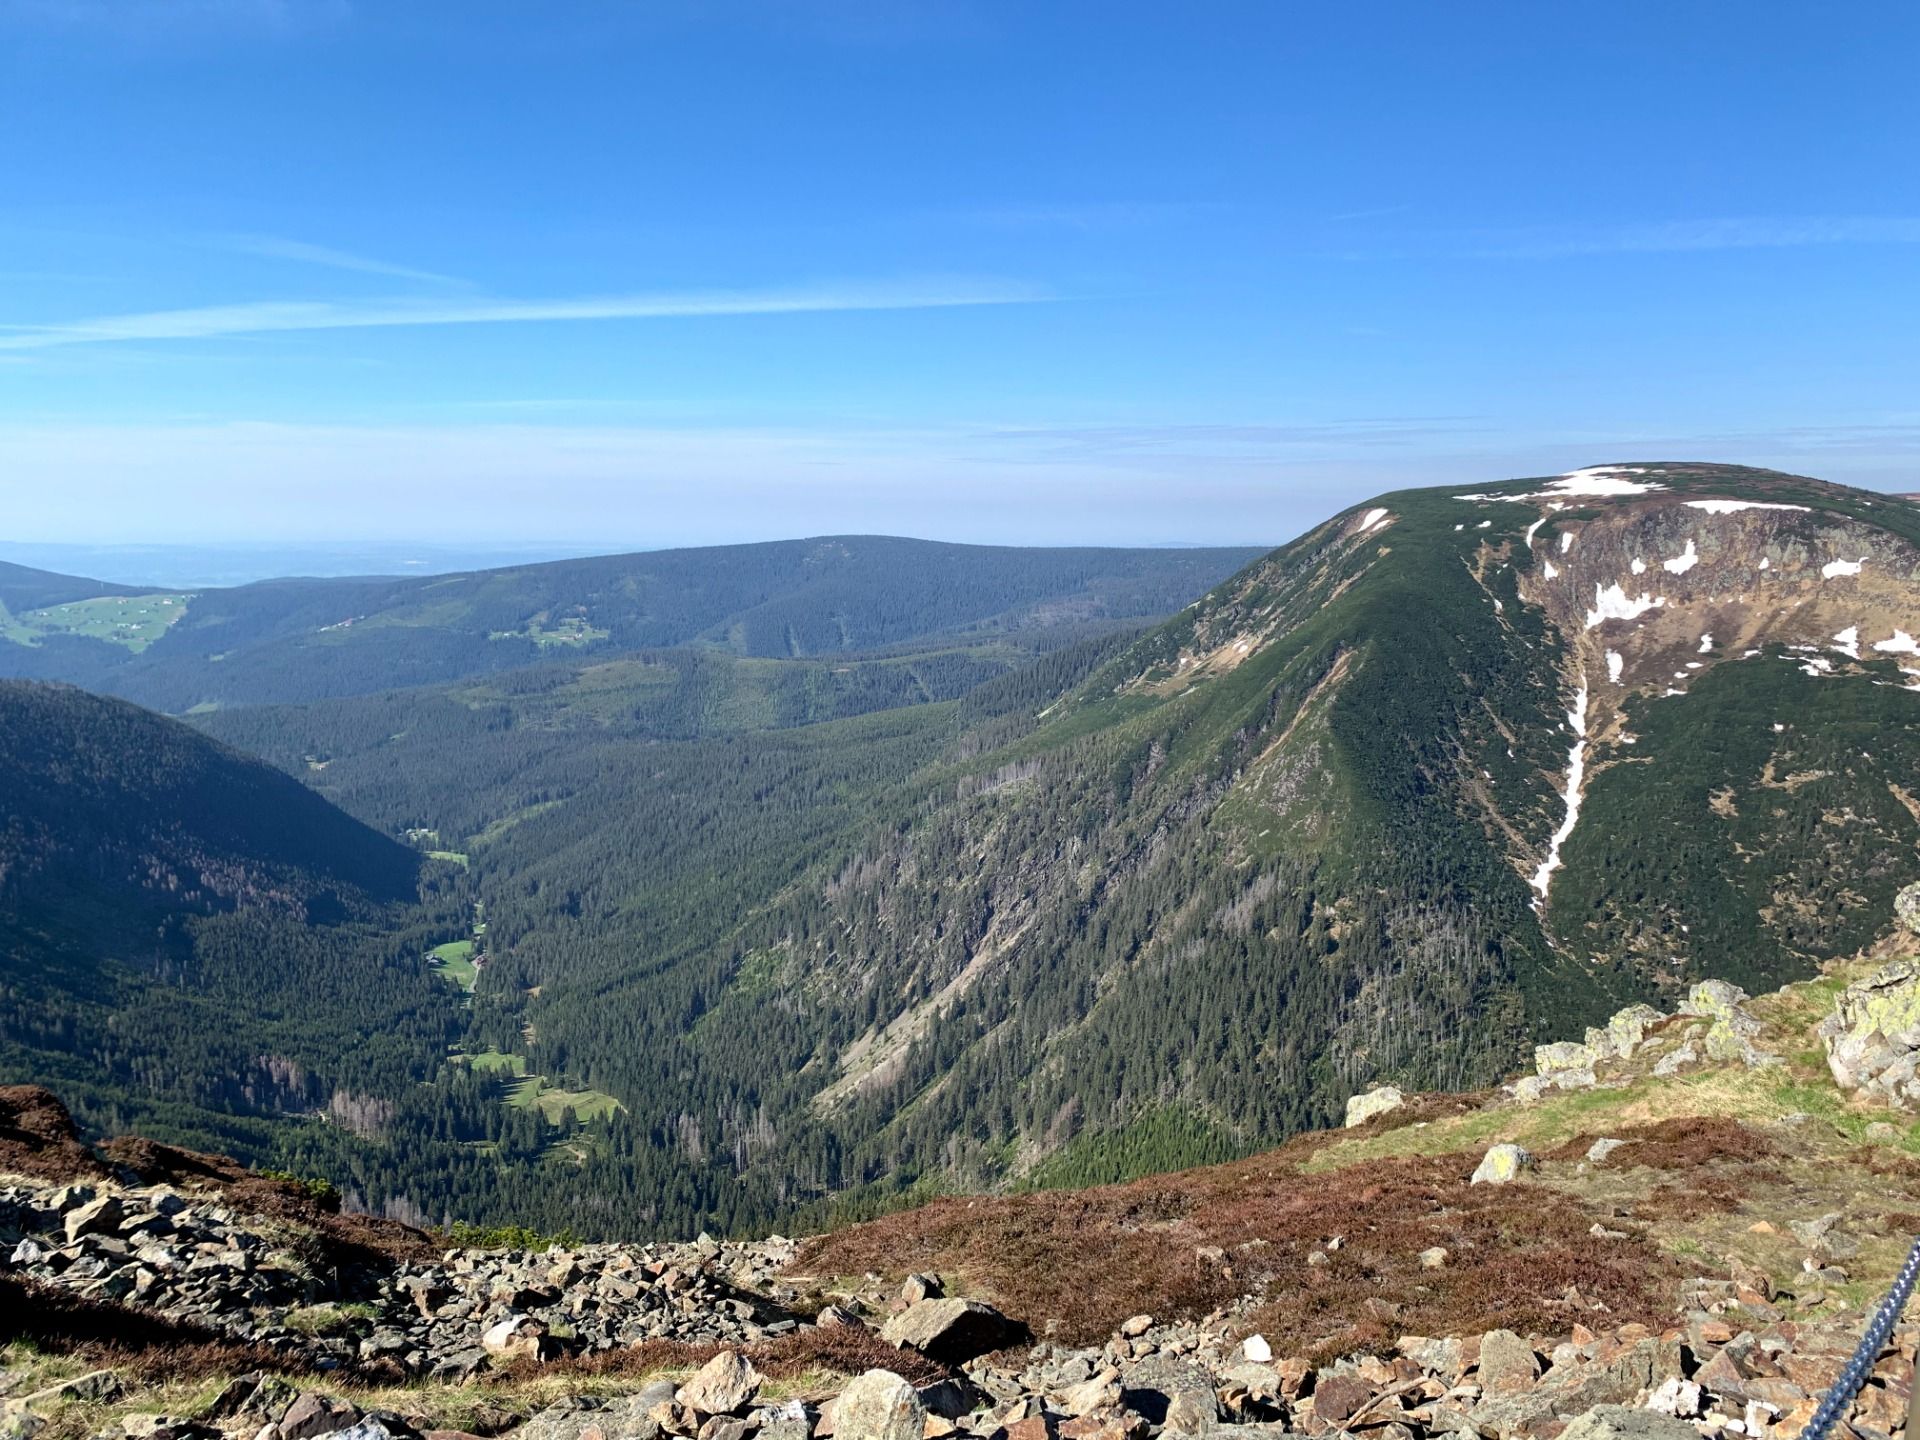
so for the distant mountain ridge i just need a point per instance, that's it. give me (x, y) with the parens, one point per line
(297, 640)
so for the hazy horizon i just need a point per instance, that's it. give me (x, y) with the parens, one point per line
(698, 272)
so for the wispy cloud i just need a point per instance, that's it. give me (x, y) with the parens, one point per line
(274, 247)
(266, 316)
(1729, 233)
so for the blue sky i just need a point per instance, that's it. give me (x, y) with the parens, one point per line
(685, 271)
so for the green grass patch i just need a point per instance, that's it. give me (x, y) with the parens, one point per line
(452, 857)
(493, 1062)
(535, 1092)
(133, 621)
(571, 631)
(453, 962)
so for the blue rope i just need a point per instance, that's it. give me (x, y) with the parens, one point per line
(1879, 1329)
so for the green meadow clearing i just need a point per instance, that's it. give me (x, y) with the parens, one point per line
(134, 621)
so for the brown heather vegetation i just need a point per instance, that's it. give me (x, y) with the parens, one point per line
(153, 1347)
(1076, 1264)
(37, 1137)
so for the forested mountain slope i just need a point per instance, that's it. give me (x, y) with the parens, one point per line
(185, 931)
(1451, 772)
(301, 640)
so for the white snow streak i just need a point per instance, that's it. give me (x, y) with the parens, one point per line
(1566, 541)
(1835, 568)
(1374, 517)
(1616, 663)
(1727, 507)
(1847, 642)
(1684, 561)
(1576, 777)
(1533, 527)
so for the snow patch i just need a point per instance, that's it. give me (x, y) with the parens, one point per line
(1835, 568)
(1596, 480)
(1684, 561)
(1901, 644)
(1576, 777)
(1461, 526)
(1766, 563)
(1817, 665)
(1706, 643)
(1616, 663)
(1549, 569)
(1483, 525)
(1533, 527)
(1613, 603)
(1603, 480)
(1566, 541)
(1374, 517)
(1728, 507)
(1639, 567)
(1847, 642)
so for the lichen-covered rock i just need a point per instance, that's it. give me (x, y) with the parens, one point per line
(878, 1406)
(1906, 908)
(1731, 1029)
(1713, 998)
(1679, 1058)
(1501, 1165)
(1562, 1055)
(1873, 1036)
(1377, 1101)
(1624, 1032)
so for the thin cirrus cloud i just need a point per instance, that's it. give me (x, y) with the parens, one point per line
(275, 247)
(1729, 233)
(268, 316)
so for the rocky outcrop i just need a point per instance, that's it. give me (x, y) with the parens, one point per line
(1872, 1038)
(951, 1331)
(1377, 1101)
(1712, 1025)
